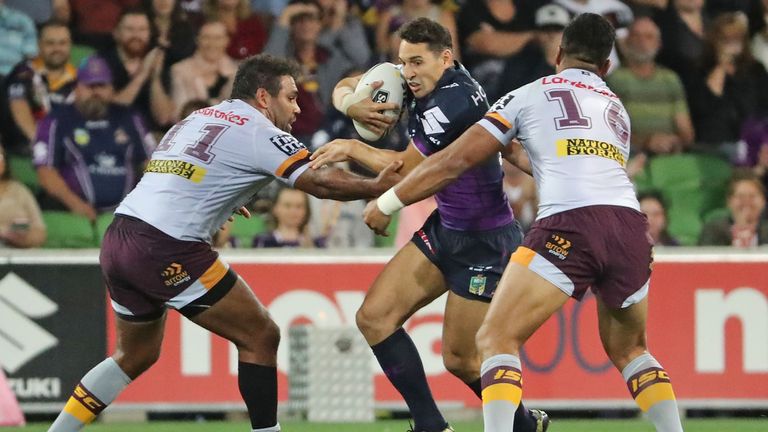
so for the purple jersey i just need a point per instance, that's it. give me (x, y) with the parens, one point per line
(98, 159)
(476, 200)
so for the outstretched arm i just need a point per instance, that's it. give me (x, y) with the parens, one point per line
(340, 185)
(434, 173)
(375, 159)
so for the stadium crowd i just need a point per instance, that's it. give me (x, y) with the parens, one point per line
(89, 87)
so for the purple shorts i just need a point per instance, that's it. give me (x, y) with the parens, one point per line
(605, 248)
(147, 271)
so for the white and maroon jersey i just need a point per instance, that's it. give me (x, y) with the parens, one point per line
(209, 165)
(576, 133)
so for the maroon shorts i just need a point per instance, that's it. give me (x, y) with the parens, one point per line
(147, 270)
(605, 248)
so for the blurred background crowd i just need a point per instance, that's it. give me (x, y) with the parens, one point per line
(88, 87)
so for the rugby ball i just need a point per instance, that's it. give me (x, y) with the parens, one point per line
(392, 90)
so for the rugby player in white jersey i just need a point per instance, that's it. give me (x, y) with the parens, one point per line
(589, 232)
(157, 253)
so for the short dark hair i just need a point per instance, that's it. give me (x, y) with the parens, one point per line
(747, 176)
(589, 38)
(654, 195)
(50, 24)
(424, 30)
(262, 71)
(133, 11)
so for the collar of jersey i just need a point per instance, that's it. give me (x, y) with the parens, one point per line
(576, 74)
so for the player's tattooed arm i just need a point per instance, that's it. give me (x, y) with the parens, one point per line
(374, 159)
(515, 154)
(340, 185)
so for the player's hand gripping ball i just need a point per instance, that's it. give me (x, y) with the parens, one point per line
(391, 91)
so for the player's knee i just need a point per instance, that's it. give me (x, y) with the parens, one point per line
(621, 356)
(464, 367)
(134, 363)
(268, 337)
(490, 341)
(367, 321)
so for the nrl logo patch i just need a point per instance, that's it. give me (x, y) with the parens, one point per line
(477, 285)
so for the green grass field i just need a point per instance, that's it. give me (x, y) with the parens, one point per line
(718, 425)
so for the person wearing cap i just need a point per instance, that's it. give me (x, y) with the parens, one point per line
(88, 154)
(537, 58)
(36, 86)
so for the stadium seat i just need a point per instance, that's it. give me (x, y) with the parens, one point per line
(244, 230)
(68, 230)
(692, 185)
(716, 214)
(102, 222)
(23, 171)
(79, 52)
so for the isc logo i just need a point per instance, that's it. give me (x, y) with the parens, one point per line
(644, 379)
(88, 400)
(513, 375)
(380, 96)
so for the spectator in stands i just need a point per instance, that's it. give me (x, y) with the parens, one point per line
(138, 69)
(537, 58)
(191, 106)
(171, 30)
(339, 223)
(615, 11)
(18, 38)
(489, 32)
(35, 86)
(521, 194)
(746, 225)
(653, 95)
(683, 25)
(290, 219)
(754, 137)
(296, 35)
(42, 11)
(21, 224)
(345, 31)
(88, 154)
(394, 16)
(653, 206)
(247, 31)
(730, 87)
(94, 20)
(272, 8)
(209, 73)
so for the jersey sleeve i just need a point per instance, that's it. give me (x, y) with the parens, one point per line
(501, 119)
(281, 154)
(45, 152)
(19, 82)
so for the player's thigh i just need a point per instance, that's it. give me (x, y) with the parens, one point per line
(622, 330)
(138, 344)
(240, 318)
(462, 320)
(523, 301)
(408, 282)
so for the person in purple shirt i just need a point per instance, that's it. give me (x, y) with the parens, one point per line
(463, 246)
(290, 217)
(88, 154)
